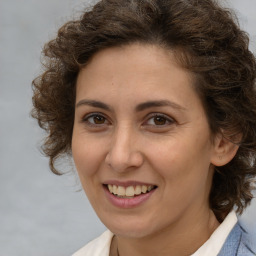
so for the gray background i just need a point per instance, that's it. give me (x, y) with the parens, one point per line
(42, 214)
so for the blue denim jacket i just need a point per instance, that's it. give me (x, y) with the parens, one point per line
(237, 243)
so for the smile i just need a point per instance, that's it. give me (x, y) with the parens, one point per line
(128, 194)
(130, 191)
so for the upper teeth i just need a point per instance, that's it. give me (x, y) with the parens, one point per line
(129, 191)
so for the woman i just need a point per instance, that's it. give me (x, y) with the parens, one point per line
(155, 100)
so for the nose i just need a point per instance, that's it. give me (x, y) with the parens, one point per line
(124, 153)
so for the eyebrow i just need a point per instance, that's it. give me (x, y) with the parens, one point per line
(93, 103)
(139, 108)
(159, 103)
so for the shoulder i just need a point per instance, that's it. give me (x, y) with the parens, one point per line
(97, 247)
(237, 243)
(246, 246)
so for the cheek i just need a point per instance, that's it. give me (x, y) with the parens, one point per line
(85, 155)
(181, 160)
(87, 161)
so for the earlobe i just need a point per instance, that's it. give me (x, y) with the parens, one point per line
(224, 150)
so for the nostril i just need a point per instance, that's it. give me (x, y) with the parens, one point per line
(122, 161)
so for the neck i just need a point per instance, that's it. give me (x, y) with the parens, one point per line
(183, 238)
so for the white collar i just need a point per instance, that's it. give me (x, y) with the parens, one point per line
(214, 244)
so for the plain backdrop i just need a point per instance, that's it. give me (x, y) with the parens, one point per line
(42, 214)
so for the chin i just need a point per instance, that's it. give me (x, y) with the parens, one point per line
(131, 229)
(131, 233)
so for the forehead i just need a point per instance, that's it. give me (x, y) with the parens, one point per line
(136, 72)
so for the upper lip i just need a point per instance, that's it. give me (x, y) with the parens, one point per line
(127, 183)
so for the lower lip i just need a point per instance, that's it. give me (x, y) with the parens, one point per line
(128, 202)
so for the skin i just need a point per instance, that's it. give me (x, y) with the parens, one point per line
(174, 151)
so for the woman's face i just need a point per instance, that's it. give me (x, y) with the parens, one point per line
(141, 128)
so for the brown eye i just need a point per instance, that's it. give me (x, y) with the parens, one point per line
(99, 120)
(159, 120)
(96, 119)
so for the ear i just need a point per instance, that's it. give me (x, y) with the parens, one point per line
(224, 150)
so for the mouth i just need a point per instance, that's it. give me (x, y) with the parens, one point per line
(129, 191)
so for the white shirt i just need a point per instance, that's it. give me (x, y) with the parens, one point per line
(101, 245)
(214, 244)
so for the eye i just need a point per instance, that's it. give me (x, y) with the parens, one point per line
(95, 119)
(159, 120)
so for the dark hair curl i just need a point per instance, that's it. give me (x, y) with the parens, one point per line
(206, 40)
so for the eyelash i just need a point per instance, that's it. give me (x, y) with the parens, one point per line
(164, 118)
(94, 115)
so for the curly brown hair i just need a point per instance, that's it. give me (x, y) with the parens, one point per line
(207, 41)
